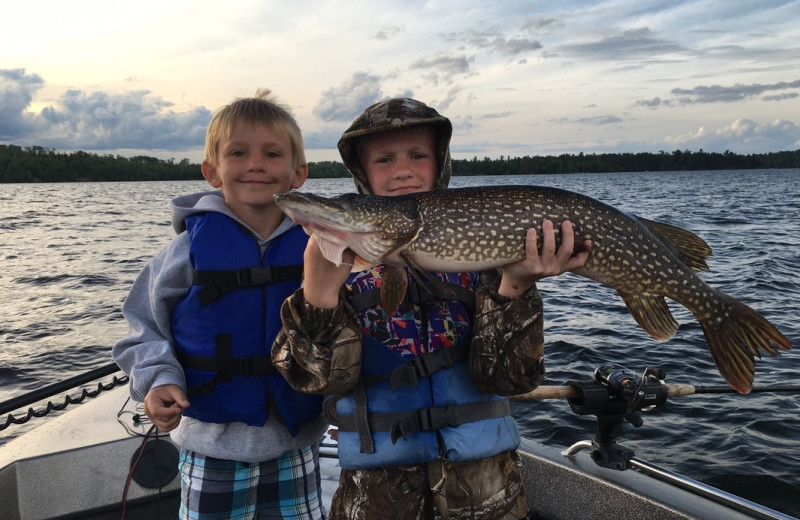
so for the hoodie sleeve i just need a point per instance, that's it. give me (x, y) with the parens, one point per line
(146, 353)
(507, 351)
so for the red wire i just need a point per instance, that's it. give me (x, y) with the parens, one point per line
(133, 468)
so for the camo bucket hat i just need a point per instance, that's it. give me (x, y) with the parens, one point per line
(391, 115)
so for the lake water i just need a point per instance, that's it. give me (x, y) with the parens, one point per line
(69, 253)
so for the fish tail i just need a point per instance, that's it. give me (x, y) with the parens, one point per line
(738, 339)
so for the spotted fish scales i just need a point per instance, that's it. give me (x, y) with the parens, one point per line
(467, 229)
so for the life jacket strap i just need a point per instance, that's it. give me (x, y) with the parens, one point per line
(425, 419)
(225, 366)
(409, 373)
(425, 365)
(361, 420)
(218, 283)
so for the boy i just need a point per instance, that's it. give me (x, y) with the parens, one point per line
(202, 316)
(422, 429)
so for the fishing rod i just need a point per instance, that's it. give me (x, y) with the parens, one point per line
(616, 395)
(673, 390)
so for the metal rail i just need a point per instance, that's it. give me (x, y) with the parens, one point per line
(57, 388)
(693, 486)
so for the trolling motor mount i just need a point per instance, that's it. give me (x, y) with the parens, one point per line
(614, 396)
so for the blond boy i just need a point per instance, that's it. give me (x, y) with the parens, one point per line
(203, 314)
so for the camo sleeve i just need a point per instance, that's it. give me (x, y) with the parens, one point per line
(507, 352)
(318, 351)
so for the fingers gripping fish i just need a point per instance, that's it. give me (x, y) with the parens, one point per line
(473, 229)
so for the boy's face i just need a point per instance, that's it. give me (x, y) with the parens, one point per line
(255, 163)
(399, 161)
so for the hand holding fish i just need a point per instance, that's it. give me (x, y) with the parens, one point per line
(519, 276)
(322, 279)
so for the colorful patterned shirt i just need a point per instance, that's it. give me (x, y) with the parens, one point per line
(446, 321)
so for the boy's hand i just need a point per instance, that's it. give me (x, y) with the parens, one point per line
(321, 278)
(519, 276)
(164, 406)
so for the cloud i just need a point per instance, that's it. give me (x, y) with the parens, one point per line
(596, 120)
(781, 97)
(17, 91)
(599, 120)
(630, 44)
(345, 102)
(720, 94)
(653, 103)
(724, 94)
(514, 46)
(537, 24)
(444, 66)
(96, 120)
(499, 115)
(452, 94)
(387, 31)
(496, 42)
(742, 136)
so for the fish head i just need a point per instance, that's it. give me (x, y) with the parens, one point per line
(373, 227)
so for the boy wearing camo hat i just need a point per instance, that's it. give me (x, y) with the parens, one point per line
(423, 429)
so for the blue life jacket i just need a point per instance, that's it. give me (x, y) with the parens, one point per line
(410, 412)
(225, 325)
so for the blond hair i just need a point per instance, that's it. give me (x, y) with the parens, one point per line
(261, 109)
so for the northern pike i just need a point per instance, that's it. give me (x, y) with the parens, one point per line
(474, 229)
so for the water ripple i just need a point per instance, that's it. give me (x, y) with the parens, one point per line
(71, 252)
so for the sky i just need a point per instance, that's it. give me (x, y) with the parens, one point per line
(516, 78)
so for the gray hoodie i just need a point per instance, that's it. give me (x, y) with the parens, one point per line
(147, 354)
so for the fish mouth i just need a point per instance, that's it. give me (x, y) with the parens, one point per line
(334, 224)
(330, 216)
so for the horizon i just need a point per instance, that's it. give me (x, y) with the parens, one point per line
(515, 78)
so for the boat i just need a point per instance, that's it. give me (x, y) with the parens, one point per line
(101, 459)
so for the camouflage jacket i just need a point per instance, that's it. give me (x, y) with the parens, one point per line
(319, 350)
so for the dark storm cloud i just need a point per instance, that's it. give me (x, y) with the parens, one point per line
(737, 92)
(96, 120)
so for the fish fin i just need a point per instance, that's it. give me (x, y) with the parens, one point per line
(394, 285)
(331, 250)
(652, 314)
(690, 248)
(424, 278)
(738, 340)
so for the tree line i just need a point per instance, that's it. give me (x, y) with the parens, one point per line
(38, 164)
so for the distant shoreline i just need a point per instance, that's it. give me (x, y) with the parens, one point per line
(38, 164)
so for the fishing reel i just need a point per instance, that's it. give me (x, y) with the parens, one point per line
(615, 395)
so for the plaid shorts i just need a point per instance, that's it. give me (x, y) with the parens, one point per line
(286, 487)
